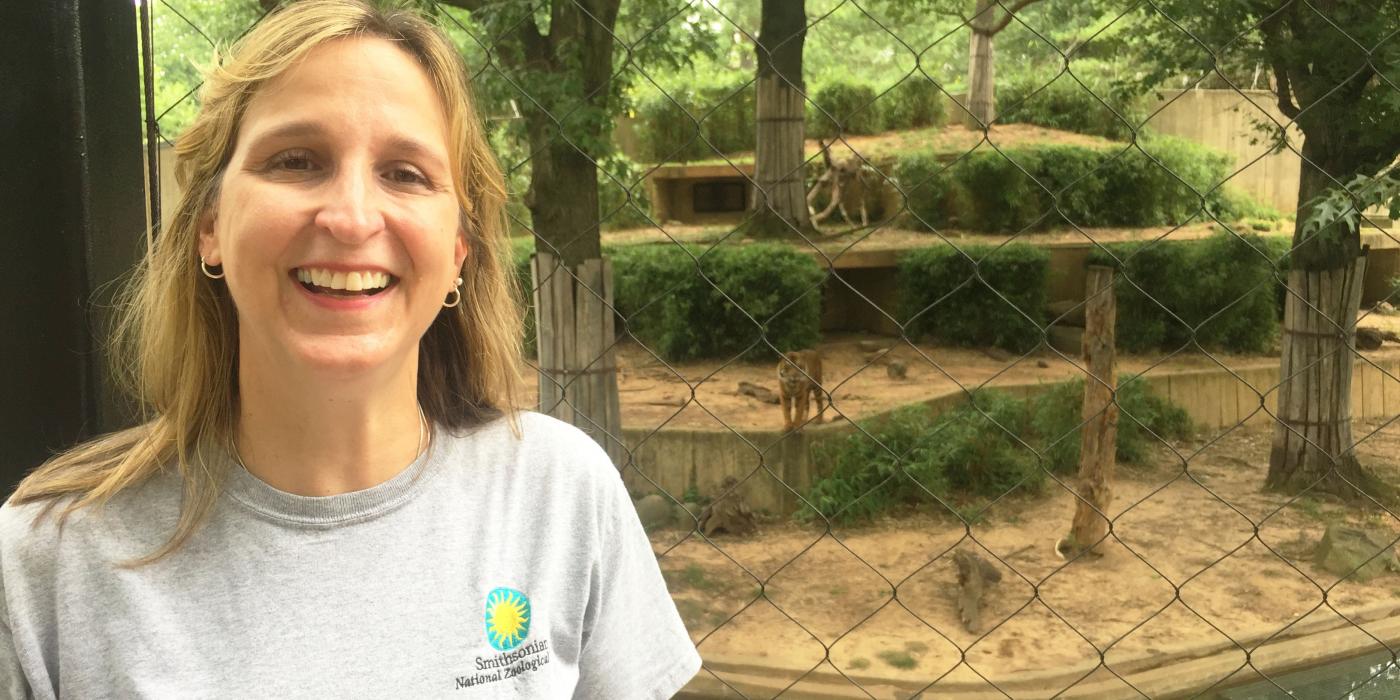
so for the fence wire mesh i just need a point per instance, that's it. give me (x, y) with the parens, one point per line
(933, 257)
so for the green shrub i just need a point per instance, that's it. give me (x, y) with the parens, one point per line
(1058, 413)
(1065, 104)
(623, 201)
(972, 312)
(676, 126)
(666, 131)
(914, 103)
(728, 116)
(969, 455)
(1165, 183)
(843, 108)
(674, 310)
(1222, 286)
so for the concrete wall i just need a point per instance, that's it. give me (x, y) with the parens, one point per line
(1224, 119)
(677, 460)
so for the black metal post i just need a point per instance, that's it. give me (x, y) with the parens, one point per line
(72, 219)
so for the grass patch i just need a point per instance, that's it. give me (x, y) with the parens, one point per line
(975, 452)
(898, 659)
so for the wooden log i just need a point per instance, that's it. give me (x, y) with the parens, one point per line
(1098, 437)
(975, 576)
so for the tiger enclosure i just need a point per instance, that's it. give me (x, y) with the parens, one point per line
(965, 348)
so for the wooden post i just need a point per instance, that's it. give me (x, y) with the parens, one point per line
(577, 362)
(1098, 437)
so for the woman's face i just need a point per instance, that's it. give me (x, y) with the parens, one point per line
(339, 179)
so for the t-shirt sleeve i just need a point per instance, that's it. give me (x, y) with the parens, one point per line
(635, 644)
(13, 686)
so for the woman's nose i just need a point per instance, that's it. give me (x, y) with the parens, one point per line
(351, 209)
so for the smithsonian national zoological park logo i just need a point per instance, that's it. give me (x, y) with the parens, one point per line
(507, 620)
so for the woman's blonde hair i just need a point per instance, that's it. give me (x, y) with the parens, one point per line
(175, 345)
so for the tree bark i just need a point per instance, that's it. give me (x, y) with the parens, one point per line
(572, 63)
(981, 64)
(1312, 435)
(1099, 436)
(778, 203)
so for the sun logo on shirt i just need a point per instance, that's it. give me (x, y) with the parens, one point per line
(507, 618)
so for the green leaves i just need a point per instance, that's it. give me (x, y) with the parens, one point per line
(1344, 205)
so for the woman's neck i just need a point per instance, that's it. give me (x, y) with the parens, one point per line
(327, 437)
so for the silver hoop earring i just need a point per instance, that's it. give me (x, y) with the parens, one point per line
(205, 269)
(457, 292)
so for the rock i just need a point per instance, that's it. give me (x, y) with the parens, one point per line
(896, 369)
(1368, 338)
(1343, 549)
(1068, 311)
(684, 517)
(1384, 308)
(763, 394)
(872, 345)
(998, 354)
(1042, 364)
(876, 357)
(655, 511)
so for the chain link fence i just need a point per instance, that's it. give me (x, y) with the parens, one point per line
(1016, 261)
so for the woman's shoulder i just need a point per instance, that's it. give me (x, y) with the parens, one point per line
(544, 444)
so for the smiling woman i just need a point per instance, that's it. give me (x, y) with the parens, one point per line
(336, 492)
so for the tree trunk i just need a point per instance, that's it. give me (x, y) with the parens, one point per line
(563, 198)
(1099, 436)
(577, 363)
(981, 65)
(779, 203)
(1312, 436)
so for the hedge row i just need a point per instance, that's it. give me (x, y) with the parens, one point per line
(1052, 185)
(1222, 289)
(700, 124)
(1066, 105)
(976, 295)
(979, 295)
(697, 124)
(727, 303)
(979, 451)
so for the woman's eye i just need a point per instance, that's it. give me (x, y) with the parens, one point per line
(408, 176)
(296, 162)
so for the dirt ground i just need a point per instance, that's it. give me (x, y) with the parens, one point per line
(658, 394)
(1202, 556)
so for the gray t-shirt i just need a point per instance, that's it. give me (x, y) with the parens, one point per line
(489, 568)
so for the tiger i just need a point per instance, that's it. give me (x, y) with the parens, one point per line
(800, 377)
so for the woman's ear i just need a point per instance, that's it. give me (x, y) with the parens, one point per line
(209, 240)
(462, 247)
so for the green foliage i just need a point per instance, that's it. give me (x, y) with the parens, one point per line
(1065, 104)
(1165, 181)
(845, 109)
(737, 296)
(1142, 415)
(912, 104)
(623, 201)
(184, 46)
(940, 296)
(1345, 204)
(1223, 286)
(689, 123)
(975, 452)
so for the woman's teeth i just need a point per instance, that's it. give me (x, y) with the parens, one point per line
(338, 281)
